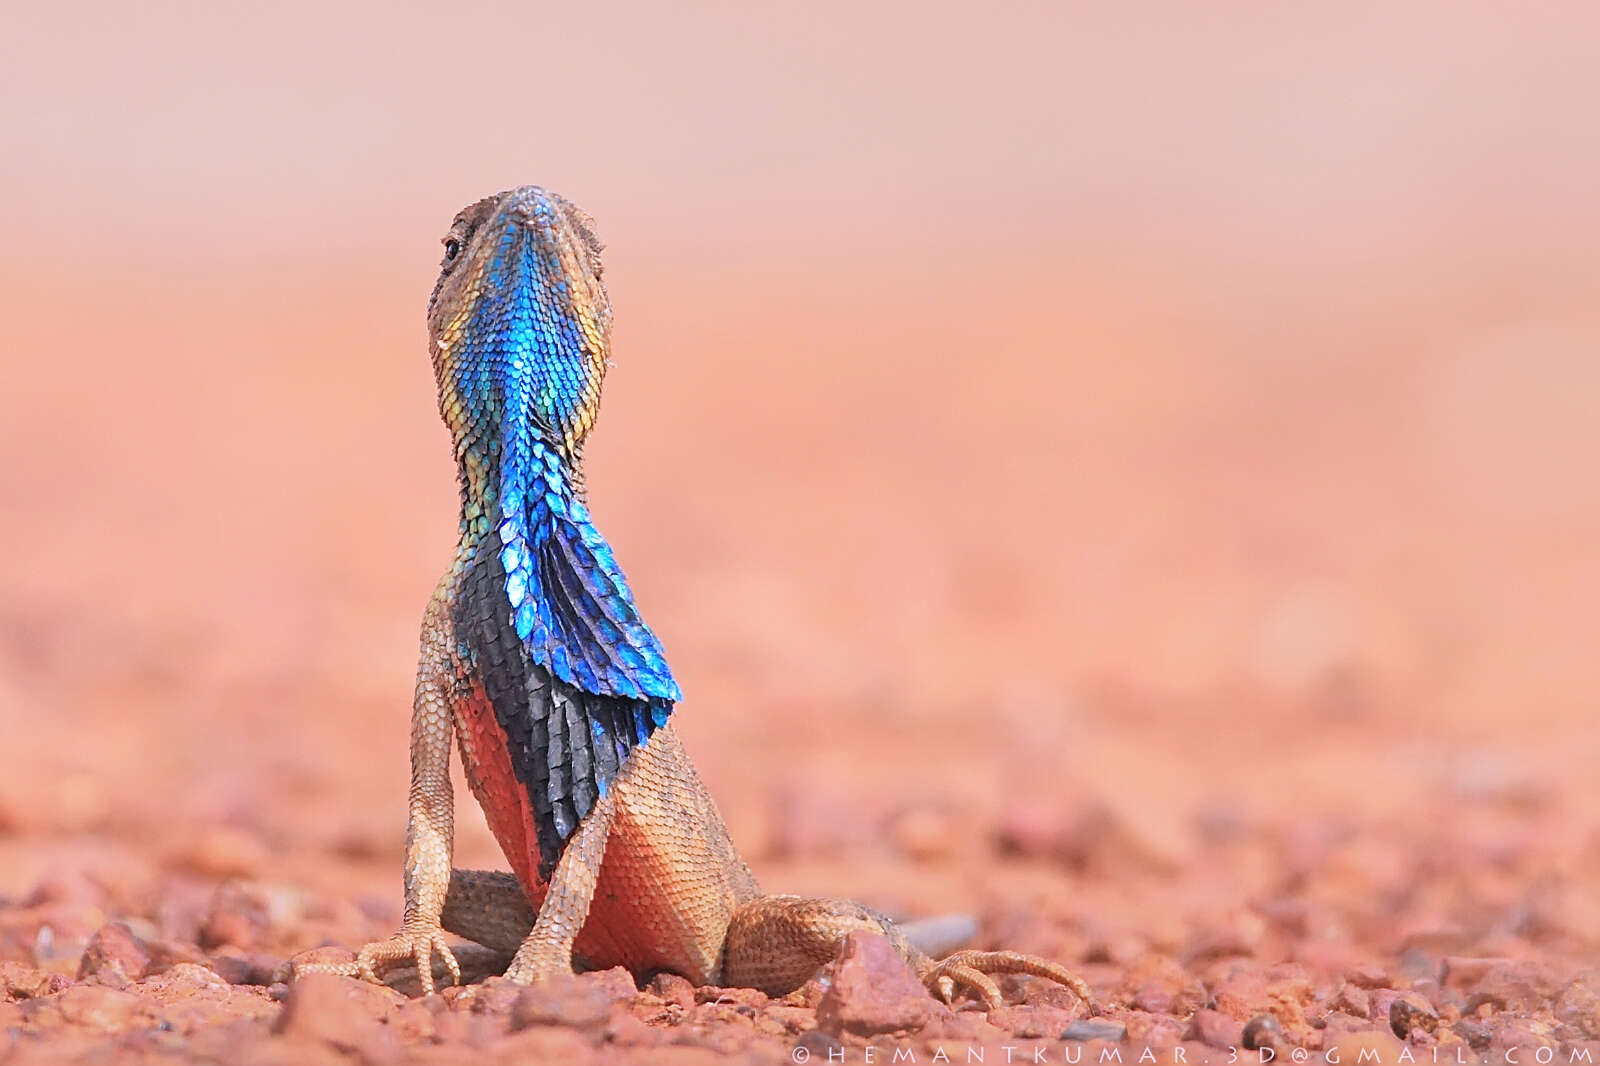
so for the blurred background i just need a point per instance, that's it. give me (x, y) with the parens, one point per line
(1067, 450)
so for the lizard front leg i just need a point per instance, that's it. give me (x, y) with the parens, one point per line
(776, 943)
(430, 828)
(547, 951)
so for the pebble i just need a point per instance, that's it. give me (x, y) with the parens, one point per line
(114, 956)
(1083, 1030)
(584, 1005)
(91, 1007)
(1351, 1000)
(1262, 1031)
(673, 990)
(1214, 1029)
(340, 1012)
(1409, 1011)
(871, 990)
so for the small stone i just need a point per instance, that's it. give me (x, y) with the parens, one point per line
(228, 929)
(673, 990)
(1158, 1032)
(114, 956)
(616, 983)
(738, 997)
(165, 954)
(939, 935)
(1369, 976)
(1240, 993)
(187, 978)
(1511, 1032)
(1579, 1005)
(1082, 1030)
(19, 981)
(338, 1011)
(1351, 1000)
(241, 968)
(566, 1000)
(1408, 1011)
(1156, 997)
(1214, 1029)
(493, 996)
(1262, 1031)
(91, 1007)
(1475, 1031)
(1504, 983)
(1291, 994)
(871, 990)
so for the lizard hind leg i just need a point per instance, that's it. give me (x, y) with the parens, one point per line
(488, 907)
(776, 943)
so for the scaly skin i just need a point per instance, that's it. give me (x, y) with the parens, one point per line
(536, 660)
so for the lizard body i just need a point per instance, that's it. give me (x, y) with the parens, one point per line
(537, 664)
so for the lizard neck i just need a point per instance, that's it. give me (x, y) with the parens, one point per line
(520, 335)
(489, 472)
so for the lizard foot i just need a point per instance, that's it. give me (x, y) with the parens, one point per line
(540, 960)
(973, 969)
(416, 944)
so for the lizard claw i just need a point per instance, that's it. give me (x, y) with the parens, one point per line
(973, 969)
(416, 944)
(419, 944)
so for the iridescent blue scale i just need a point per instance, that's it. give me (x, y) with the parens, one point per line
(525, 372)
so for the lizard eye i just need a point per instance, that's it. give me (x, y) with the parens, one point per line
(452, 248)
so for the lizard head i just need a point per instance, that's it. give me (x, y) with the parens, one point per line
(519, 327)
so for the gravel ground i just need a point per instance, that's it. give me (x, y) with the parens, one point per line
(1225, 635)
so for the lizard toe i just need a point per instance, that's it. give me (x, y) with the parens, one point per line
(409, 945)
(974, 970)
(946, 976)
